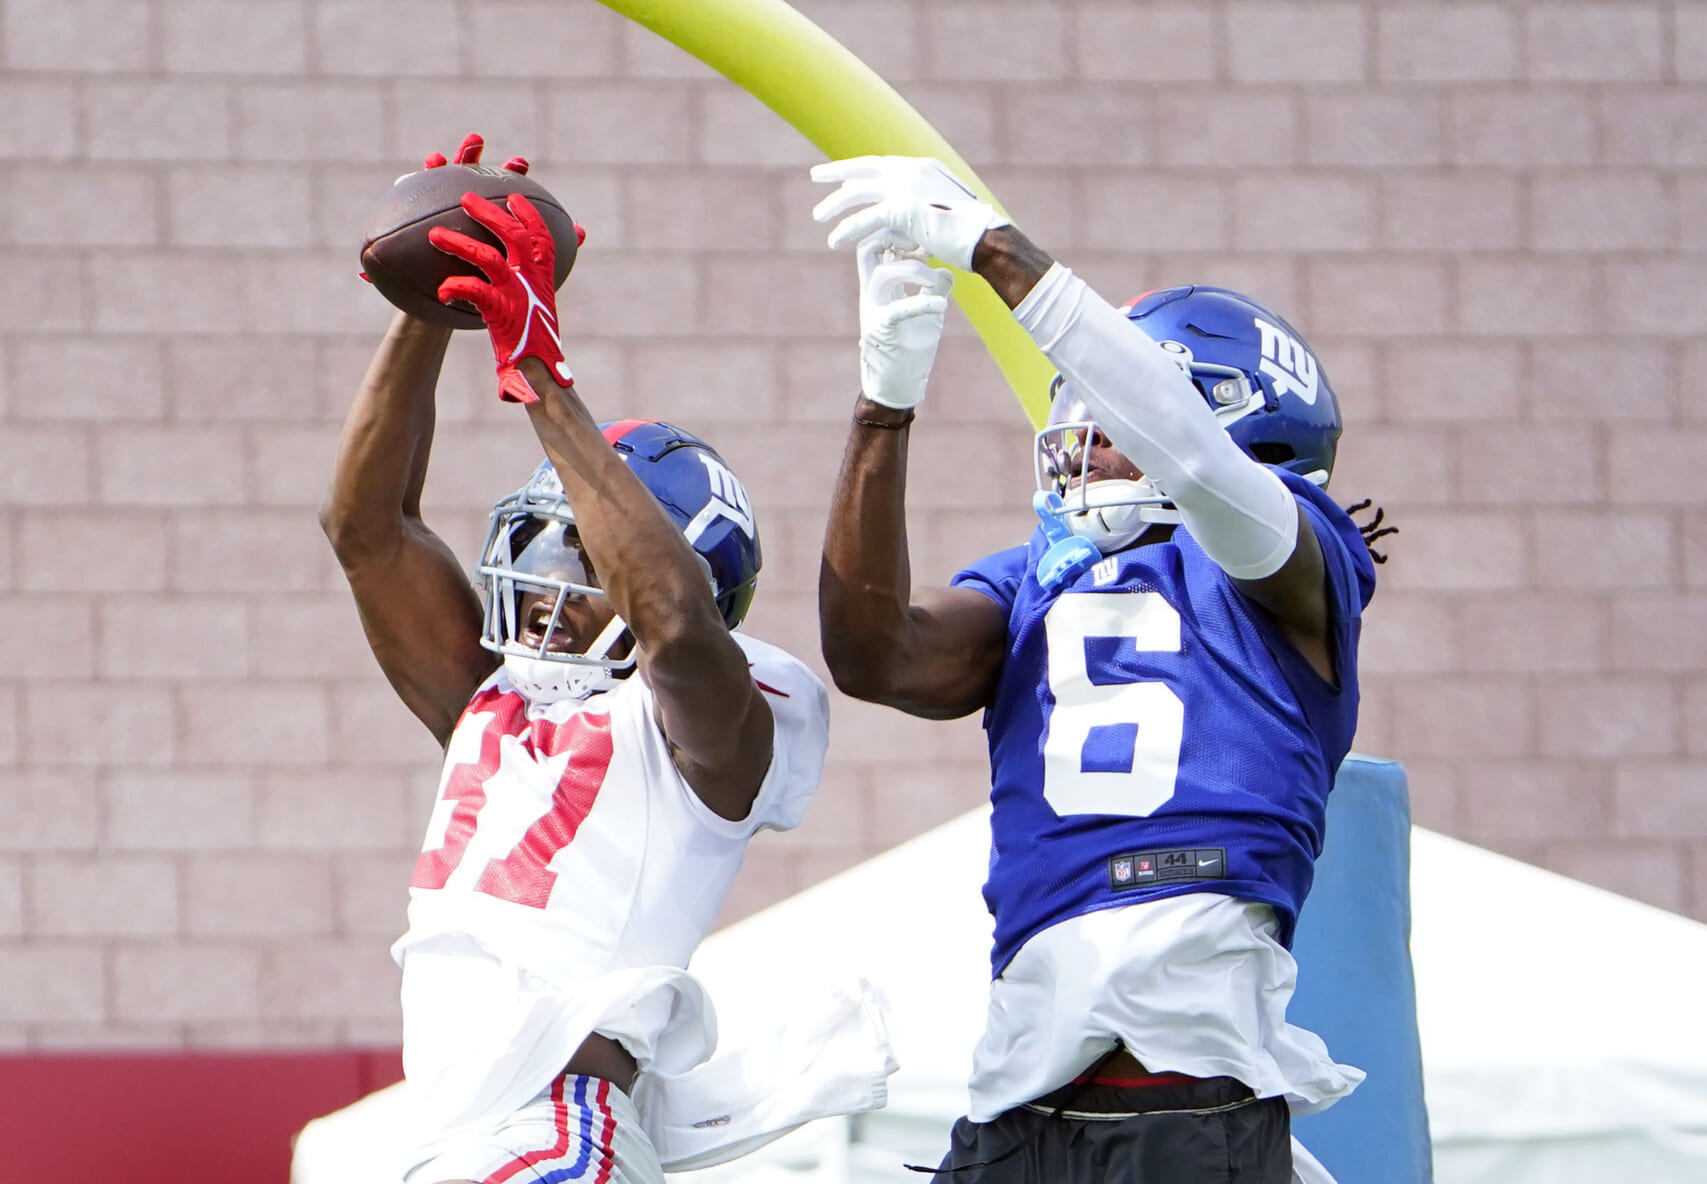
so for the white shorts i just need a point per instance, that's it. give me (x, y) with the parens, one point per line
(1189, 984)
(578, 1129)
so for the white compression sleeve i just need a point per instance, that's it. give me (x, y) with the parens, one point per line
(1240, 513)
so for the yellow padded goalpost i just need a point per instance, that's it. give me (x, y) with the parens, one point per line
(840, 104)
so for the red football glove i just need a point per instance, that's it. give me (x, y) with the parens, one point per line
(517, 300)
(469, 153)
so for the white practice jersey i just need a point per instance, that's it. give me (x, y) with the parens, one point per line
(565, 842)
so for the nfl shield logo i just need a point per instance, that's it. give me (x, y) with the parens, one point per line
(1123, 870)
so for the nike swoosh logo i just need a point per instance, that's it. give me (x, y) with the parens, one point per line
(1207, 862)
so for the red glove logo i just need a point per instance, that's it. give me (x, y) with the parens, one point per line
(517, 299)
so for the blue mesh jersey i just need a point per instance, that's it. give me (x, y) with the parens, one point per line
(1154, 733)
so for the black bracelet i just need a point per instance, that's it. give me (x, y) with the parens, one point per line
(888, 427)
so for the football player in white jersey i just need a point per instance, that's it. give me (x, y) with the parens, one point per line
(610, 744)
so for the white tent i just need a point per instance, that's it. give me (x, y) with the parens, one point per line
(1564, 1029)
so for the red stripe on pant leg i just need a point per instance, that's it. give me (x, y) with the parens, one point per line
(607, 1146)
(560, 1120)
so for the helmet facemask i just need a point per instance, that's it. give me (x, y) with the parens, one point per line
(532, 568)
(1113, 513)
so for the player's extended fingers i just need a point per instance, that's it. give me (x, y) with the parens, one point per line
(495, 218)
(878, 217)
(921, 305)
(831, 171)
(869, 254)
(470, 149)
(484, 256)
(532, 235)
(906, 270)
(890, 280)
(434, 160)
(860, 191)
(477, 292)
(524, 212)
(517, 164)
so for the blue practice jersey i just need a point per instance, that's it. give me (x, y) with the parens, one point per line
(1154, 733)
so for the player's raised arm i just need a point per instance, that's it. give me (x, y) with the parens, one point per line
(716, 719)
(932, 652)
(421, 616)
(1237, 509)
(711, 711)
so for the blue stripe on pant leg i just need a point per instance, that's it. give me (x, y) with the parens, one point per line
(579, 1168)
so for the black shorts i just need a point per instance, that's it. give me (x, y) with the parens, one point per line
(1199, 1131)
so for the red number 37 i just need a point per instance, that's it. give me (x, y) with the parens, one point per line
(524, 875)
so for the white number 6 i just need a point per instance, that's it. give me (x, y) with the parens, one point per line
(1095, 727)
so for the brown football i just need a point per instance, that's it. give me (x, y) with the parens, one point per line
(407, 269)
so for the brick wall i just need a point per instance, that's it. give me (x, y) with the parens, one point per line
(1485, 216)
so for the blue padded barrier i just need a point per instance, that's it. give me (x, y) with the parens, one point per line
(1355, 987)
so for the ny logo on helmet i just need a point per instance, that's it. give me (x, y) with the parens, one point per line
(545, 485)
(728, 499)
(1287, 362)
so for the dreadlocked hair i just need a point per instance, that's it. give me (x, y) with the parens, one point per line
(1372, 529)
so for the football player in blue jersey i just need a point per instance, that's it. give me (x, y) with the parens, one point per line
(1168, 675)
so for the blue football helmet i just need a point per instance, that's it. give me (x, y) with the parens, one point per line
(533, 564)
(1253, 370)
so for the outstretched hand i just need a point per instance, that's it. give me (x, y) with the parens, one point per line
(898, 331)
(517, 299)
(917, 199)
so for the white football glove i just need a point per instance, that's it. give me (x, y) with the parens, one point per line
(898, 333)
(916, 198)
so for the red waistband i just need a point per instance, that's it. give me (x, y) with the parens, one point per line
(1138, 1082)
